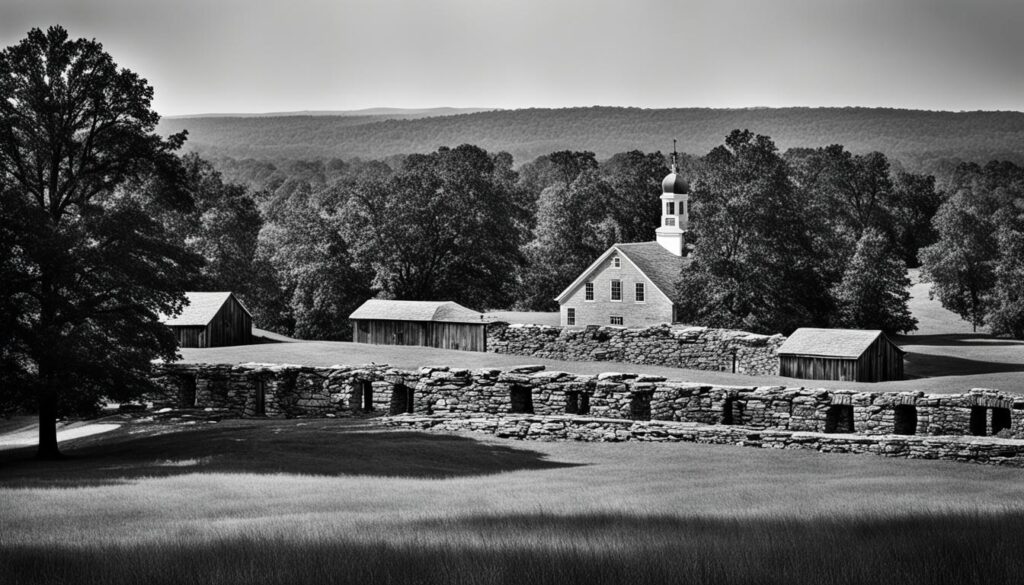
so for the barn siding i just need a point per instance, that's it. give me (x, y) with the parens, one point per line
(818, 368)
(462, 336)
(231, 325)
(190, 336)
(880, 362)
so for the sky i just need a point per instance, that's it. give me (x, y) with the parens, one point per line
(251, 56)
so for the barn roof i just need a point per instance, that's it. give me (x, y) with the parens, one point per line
(660, 266)
(200, 309)
(439, 311)
(835, 343)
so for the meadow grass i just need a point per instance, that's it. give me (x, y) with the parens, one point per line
(482, 510)
(936, 549)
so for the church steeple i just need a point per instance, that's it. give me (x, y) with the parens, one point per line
(675, 209)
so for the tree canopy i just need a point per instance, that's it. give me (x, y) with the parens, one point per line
(975, 266)
(87, 270)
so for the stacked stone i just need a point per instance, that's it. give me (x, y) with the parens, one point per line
(296, 391)
(676, 346)
(988, 450)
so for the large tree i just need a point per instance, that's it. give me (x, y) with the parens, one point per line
(635, 181)
(755, 263)
(444, 227)
(975, 266)
(312, 263)
(573, 228)
(961, 264)
(86, 269)
(875, 289)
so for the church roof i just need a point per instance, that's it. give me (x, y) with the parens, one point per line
(437, 311)
(202, 307)
(660, 266)
(675, 184)
(830, 343)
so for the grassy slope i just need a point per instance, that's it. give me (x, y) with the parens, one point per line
(312, 501)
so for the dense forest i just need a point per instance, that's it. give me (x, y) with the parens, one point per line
(919, 141)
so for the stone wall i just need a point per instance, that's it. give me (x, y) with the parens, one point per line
(297, 391)
(698, 348)
(550, 428)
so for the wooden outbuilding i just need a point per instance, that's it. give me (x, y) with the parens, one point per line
(848, 355)
(211, 319)
(442, 324)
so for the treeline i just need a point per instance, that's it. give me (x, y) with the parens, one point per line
(457, 224)
(809, 237)
(919, 141)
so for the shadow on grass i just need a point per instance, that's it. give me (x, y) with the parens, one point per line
(957, 340)
(304, 447)
(921, 365)
(938, 549)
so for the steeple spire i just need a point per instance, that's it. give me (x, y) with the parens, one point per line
(675, 209)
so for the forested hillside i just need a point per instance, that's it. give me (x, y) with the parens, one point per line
(920, 140)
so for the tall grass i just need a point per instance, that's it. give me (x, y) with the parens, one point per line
(955, 549)
(340, 501)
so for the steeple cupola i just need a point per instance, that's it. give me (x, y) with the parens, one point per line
(675, 210)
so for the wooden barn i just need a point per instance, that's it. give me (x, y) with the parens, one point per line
(847, 355)
(442, 324)
(211, 319)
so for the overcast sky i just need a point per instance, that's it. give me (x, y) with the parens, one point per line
(206, 56)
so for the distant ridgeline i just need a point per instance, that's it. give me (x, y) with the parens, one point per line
(531, 403)
(912, 136)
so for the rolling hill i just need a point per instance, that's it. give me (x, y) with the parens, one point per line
(917, 138)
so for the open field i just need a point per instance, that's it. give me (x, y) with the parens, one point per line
(321, 501)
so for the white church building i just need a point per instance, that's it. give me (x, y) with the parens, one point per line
(632, 284)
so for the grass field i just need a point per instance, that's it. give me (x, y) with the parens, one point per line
(324, 501)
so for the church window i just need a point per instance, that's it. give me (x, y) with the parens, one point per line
(616, 320)
(670, 208)
(570, 316)
(639, 292)
(615, 262)
(616, 290)
(670, 221)
(588, 291)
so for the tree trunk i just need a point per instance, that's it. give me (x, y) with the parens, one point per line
(48, 450)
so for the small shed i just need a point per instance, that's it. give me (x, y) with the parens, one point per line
(442, 324)
(211, 319)
(848, 355)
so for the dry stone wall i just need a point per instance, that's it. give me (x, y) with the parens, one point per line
(298, 391)
(698, 348)
(551, 428)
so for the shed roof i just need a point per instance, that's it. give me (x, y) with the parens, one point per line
(439, 311)
(835, 343)
(200, 309)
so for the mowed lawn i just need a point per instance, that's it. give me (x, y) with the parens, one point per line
(345, 501)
